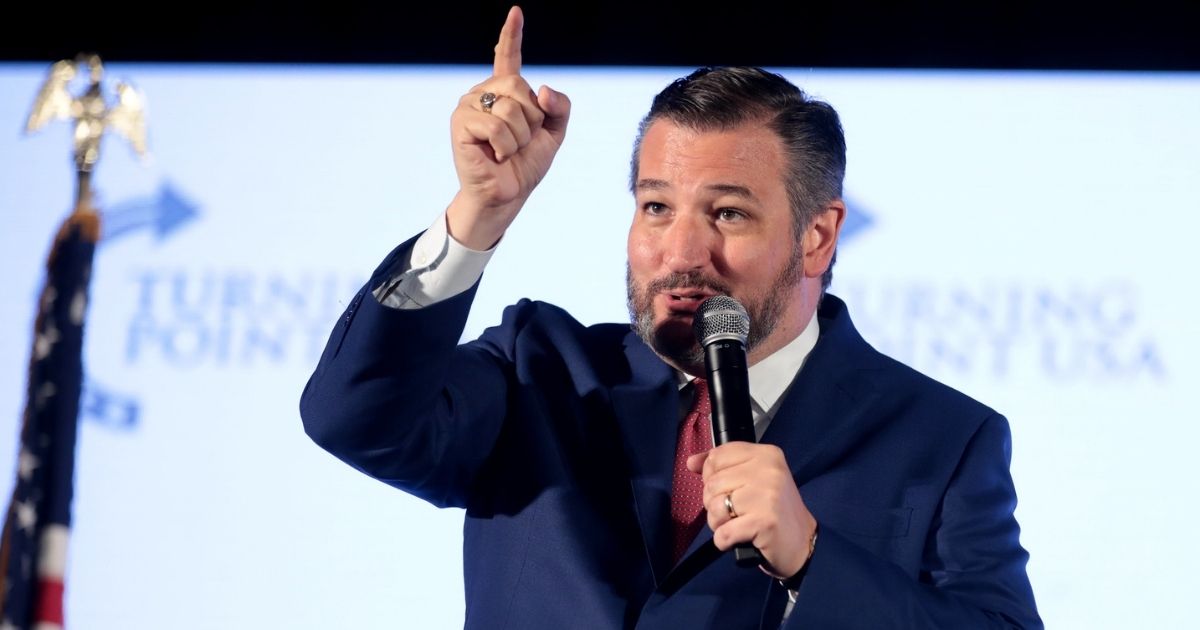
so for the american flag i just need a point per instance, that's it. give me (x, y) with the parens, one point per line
(33, 553)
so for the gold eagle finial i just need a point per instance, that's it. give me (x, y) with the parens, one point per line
(90, 111)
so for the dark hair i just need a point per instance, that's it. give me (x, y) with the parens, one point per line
(722, 98)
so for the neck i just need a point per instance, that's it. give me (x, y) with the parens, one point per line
(804, 301)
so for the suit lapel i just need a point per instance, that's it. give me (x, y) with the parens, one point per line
(824, 414)
(647, 412)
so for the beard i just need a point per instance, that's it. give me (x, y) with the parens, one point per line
(674, 340)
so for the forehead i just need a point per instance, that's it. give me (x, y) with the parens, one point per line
(750, 153)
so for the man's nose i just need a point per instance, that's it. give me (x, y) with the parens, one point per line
(687, 243)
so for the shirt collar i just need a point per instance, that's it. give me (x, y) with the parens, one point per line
(771, 377)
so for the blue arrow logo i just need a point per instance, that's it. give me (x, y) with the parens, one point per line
(109, 408)
(165, 214)
(857, 221)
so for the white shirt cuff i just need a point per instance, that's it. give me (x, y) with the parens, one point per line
(438, 268)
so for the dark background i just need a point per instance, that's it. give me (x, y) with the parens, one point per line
(1149, 35)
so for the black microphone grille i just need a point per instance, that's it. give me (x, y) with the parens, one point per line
(721, 317)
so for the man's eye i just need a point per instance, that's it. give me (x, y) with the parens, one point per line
(730, 214)
(653, 207)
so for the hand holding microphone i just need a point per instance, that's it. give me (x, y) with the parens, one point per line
(722, 326)
(752, 501)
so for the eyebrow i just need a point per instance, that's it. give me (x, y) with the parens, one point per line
(728, 189)
(651, 184)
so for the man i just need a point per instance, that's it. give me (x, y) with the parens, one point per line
(876, 497)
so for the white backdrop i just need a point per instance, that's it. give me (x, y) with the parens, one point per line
(1025, 237)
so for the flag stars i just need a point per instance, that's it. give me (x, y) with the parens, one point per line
(26, 463)
(78, 307)
(26, 515)
(48, 297)
(45, 461)
(45, 341)
(44, 393)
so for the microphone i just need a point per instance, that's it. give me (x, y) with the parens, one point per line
(721, 326)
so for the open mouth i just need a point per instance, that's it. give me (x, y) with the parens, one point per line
(685, 301)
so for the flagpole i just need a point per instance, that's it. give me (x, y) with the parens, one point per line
(38, 522)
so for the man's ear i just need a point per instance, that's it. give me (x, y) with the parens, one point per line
(820, 239)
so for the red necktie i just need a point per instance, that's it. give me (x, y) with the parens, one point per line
(687, 488)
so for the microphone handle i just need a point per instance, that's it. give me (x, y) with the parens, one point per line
(729, 395)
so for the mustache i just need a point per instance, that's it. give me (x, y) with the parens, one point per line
(686, 280)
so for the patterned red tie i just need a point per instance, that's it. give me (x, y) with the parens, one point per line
(687, 488)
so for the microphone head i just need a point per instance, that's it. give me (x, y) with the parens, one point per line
(721, 317)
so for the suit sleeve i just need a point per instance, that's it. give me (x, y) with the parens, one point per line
(972, 571)
(394, 396)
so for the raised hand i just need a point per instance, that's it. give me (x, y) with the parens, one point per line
(503, 144)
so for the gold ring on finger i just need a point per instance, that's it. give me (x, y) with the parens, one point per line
(729, 506)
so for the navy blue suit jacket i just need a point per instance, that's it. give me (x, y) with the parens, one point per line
(558, 440)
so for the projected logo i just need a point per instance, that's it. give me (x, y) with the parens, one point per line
(190, 314)
(187, 315)
(215, 317)
(857, 222)
(1063, 329)
(162, 215)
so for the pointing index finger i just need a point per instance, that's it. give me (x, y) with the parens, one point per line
(508, 49)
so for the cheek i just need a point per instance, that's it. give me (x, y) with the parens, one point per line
(749, 260)
(756, 266)
(642, 253)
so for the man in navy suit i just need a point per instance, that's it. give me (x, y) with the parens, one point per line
(877, 497)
